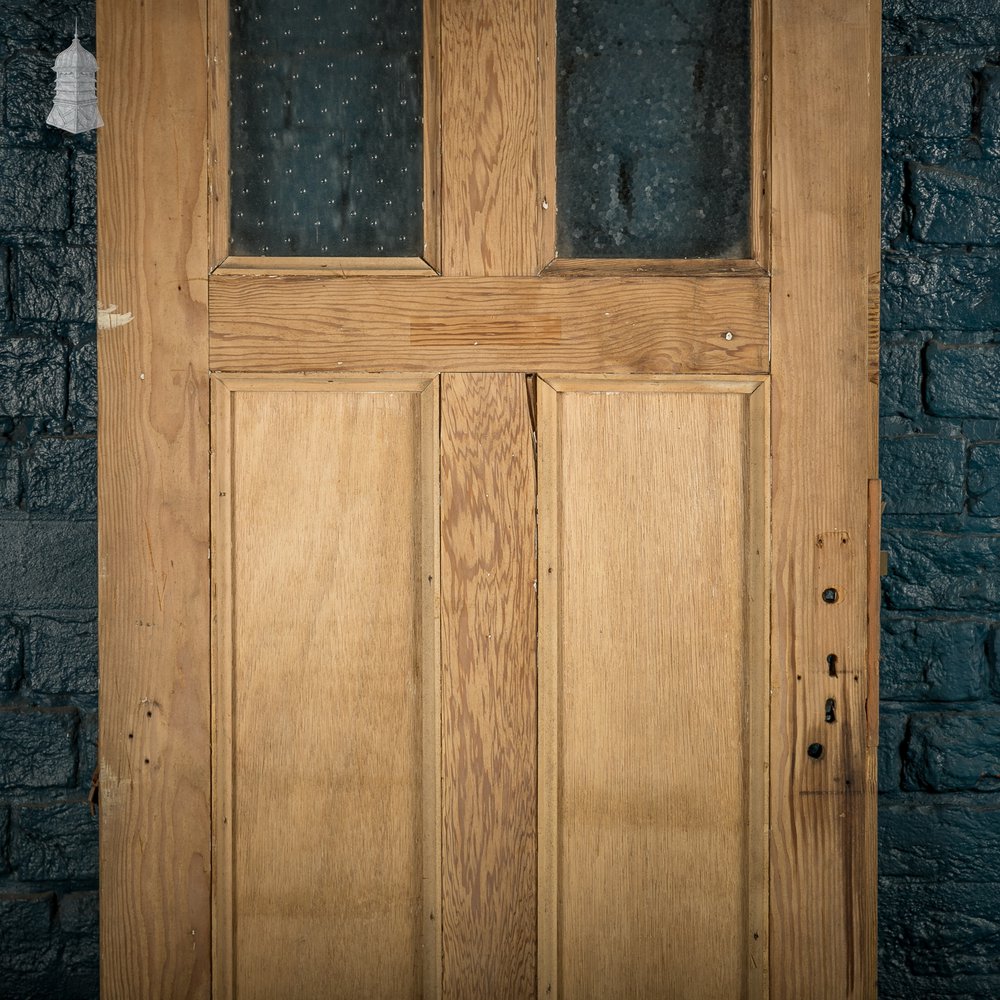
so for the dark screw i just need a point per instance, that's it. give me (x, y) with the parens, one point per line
(830, 595)
(815, 750)
(831, 710)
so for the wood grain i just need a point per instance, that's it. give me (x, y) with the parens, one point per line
(760, 132)
(825, 214)
(325, 781)
(466, 324)
(652, 690)
(488, 687)
(153, 511)
(491, 199)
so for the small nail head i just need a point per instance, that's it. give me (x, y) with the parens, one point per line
(815, 750)
(728, 335)
(830, 595)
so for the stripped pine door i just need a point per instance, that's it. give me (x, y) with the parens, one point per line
(488, 623)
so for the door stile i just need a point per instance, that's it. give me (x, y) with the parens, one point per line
(488, 692)
(824, 240)
(153, 518)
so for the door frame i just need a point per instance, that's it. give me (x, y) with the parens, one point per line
(812, 326)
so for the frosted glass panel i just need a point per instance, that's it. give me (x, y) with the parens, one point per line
(326, 128)
(653, 125)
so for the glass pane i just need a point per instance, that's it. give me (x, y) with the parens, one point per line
(653, 128)
(326, 104)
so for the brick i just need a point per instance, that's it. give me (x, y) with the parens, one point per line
(54, 842)
(984, 479)
(952, 752)
(892, 201)
(934, 570)
(10, 478)
(4, 839)
(32, 378)
(956, 205)
(62, 656)
(939, 939)
(11, 656)
(892, 727)
(61, 477)
(989, 118)
(934, 660)
(30, 949)
(945, 291)
(30, 87)
(37, 749)
(82, 410)
(953, 841)
(926, 97)
(57, 283)
(899, 380)
(963, 380)
(85, 190)
(940, 25)
(34, 193)
(86, 742)
(922, 474)
(78, 932)
(48, 565)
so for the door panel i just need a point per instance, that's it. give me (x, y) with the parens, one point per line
(652, 706)
(325, 686)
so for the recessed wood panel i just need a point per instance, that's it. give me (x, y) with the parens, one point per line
(652, 689)
(325, 688)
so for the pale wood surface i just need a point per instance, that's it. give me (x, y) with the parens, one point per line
(760, 131)
(571, 324)
(153, 511)
(652, 690)
(326, 828)
(825, 147)
(488, 687)
(491, 196)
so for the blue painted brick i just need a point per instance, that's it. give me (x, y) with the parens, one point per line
(952, 752)
(933, 660)
(990, 113)
(899, 380)
(938, 940)
(11, 656)
(30, 953)
(78, 925)
(82, 410)
(37, 749)
(29, 88)
(927, 104)
(53, 842)
(32, 378)
(934, 570)
(56, 283)
(61, 476)
(10, 477)
(34, 193)
(984, 479)
(62, 656)
(922, 474)
(955, 841)
(963, 380)
(945, 291)
(956, 205)
(892, 726)
(85, 190)
(48, 565)
(940, 25)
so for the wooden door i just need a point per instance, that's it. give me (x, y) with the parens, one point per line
(486, 623)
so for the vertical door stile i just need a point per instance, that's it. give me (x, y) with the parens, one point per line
(488, 697)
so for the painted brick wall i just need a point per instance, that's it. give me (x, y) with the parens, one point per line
(48, 654)
(940, 802)
(939, 843)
